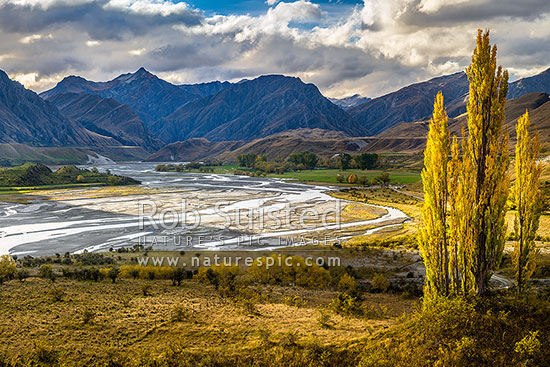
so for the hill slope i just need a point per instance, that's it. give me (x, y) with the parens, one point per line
(349, 102)
(412, 103)
(538, 105)
(255, 109)
(106, 116)
(532, 84)
(28, 119)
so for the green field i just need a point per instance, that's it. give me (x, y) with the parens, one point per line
(329, 175)
(321, 175)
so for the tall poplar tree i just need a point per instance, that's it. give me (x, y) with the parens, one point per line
(433, 236)
(526, 197)
(460, 235)
(487, 149)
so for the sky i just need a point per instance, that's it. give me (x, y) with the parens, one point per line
(369, 47)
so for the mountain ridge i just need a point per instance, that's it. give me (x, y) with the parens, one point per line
(107, 117)
(148, 95)
(26, 118)
(256, 108)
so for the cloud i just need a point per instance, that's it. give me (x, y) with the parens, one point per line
(100, 19)
(149, 7)
(371, 49)
(34, 37)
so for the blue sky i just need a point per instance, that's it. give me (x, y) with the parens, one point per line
(255, 7)
(370, 47)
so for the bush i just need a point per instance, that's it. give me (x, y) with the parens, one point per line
(352, 179)
(379, 283)
(495, 331)
(180, 313)
(178, 275)
(324, 318)
(347, 285)
(529, 346)
(113, 274)
(22, 275)
(145, 289)
(88, 315)
(56, 294)
(346, 305)
(46, 271)
(7, 268)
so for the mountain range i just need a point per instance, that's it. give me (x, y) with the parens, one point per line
(107, 117)
(145, 93)
(28, 119)
(254, 109)
(412, 103)
(141, 111)
(538, 105)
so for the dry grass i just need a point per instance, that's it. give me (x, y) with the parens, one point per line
(124, 318)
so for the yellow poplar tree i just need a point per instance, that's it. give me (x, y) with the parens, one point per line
(433, 235)
(527, 200)
(460, 237)
(486, 149)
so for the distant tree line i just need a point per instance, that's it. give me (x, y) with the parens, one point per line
(201, 167)
(308, 161)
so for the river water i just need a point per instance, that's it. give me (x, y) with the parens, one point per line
(46, 227)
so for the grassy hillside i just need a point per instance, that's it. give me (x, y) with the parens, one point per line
(16, 154)
(40, 176)
(59, 313)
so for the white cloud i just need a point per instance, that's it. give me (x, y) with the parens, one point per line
(45, 4)
(34, 81)
(371, 49)
(151, 7)
(30, 39)
(298, 11)
(92, 43)
(432, 6)
(137, 52)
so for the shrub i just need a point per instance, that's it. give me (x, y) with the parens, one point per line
(344, 304)
(352, 179)
(45, 271)
(178, 274)
(324, 318)
(7, 268)
(289, 339)
(379, 283)
(247, 298)
(363, 180)
(294, 301)
(347, 285)
(56, 294)
(22, 275)
(529, 346)
(134, 273)
(113, 274)
(145, 288)
(88, 315)
(180, 313)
